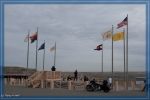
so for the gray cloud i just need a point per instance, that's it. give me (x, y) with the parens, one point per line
(77, 30)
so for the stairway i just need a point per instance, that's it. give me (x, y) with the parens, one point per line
(35, 79)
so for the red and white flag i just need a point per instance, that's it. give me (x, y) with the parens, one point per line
(124, 22)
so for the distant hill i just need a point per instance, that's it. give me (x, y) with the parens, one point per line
(17, 70)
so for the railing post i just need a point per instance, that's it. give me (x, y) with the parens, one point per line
(69, 85)
(52, 84)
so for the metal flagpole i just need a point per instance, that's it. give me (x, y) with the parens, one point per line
(27, 56)
(28, 52)
(124, 57)
(102, 58)
(127, 54)
(44, 56)
(55, 55)
(112, 60)
(36, 50)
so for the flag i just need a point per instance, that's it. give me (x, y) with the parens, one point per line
(118, 36)
(99, 47)
(42, 46)
(124, 22)
(107, 35)
(26, 38)
(33, 37)
(53, 48)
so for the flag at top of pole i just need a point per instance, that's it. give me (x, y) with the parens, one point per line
(123, 23)
(99, 47)
(33, 37)
(42, 46)
(118, 36)
(107, 35)
(53, 48)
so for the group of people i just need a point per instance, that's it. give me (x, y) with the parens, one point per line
(75, 78)
(109, 79)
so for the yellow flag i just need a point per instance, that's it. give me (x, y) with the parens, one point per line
(107, 35)
(118, 36)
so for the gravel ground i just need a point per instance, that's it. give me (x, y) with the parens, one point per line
(23, 91)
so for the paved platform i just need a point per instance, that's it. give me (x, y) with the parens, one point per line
(24, 91)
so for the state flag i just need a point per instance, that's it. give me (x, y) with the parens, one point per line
(99, 47)
(42, 46)
(118, 36)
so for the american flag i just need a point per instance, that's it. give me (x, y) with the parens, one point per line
(124, 22)
(99, 47)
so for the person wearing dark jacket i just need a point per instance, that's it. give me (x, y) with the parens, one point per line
(76, 75)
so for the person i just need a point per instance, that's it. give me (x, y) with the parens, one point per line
(110, 81)
(76, 75)
(53, 68)
(85, 78)
(69, 78)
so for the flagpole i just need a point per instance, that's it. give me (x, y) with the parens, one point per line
(127, 54)
(44, 56)
(55, 55)
(36, 50)
(112, 60)
(102, 58)
(124, 58)
(28, 54)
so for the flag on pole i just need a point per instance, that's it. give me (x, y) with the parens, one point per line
(124, 22)
(33, 37)
(42, 46)
(26, 38)
(118, 36)
(107, 35)
(99, 47)
(53, 48)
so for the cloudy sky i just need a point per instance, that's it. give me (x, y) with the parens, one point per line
(77, 30)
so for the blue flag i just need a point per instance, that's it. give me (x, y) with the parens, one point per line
(42, 46)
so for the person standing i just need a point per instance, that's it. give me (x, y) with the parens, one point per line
(76, 75)
(110, 81)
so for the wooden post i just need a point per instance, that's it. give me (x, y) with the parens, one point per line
(21, 81)
(16, 81)
(133, 85)
(125, 85)
(10, 81)
(142, 86)
(116, 85)
(42, 83)
(45, 84)
(69, 85)
(52, 84)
